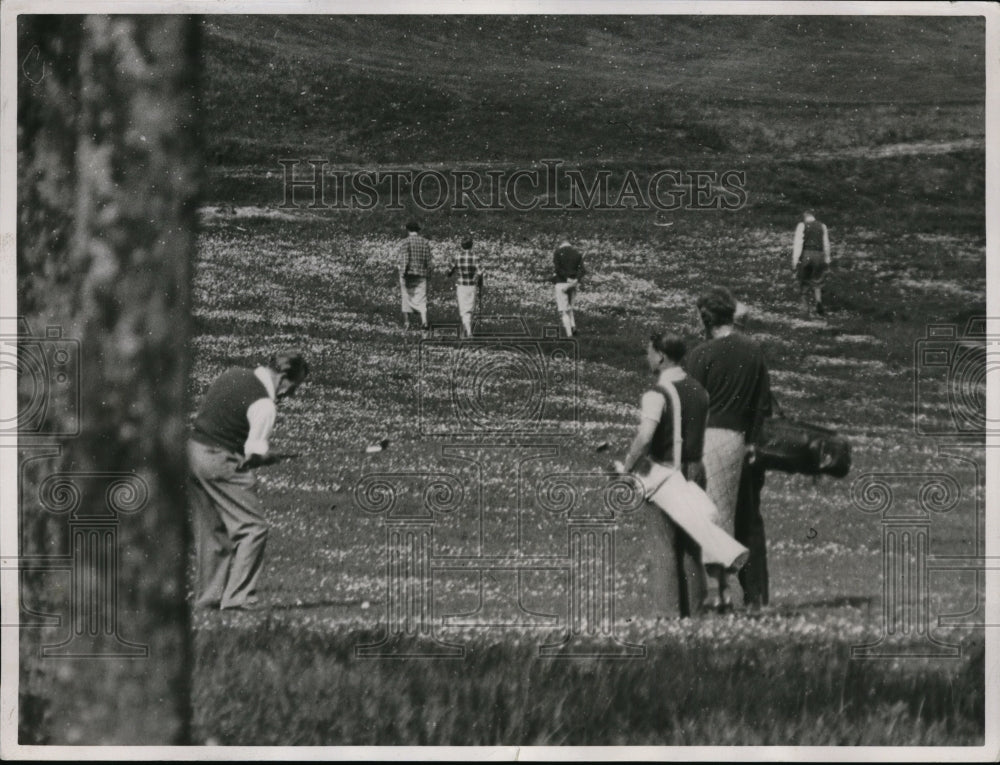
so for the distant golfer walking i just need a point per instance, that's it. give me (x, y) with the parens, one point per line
(811, 260)
(414, 261)
(468, 282)
(731, 367)
(569, 270)
(230, 438)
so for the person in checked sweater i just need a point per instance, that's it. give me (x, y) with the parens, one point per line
(468, 281)
(414, 261)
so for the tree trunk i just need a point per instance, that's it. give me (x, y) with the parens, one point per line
(108, 176)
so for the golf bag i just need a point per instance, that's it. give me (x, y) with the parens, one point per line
(686, 503)
(797, 447)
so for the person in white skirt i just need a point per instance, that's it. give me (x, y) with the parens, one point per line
(469, 278)
(732, 369)
(414, 261)
(567, 262)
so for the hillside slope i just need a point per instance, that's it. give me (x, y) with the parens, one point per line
(503, 88)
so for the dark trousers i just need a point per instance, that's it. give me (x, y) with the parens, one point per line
(693, 586)
(749, 531)
(690, 573)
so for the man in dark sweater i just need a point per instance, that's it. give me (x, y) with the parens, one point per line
(655, 439)
(230, 438)
(569, 270)
(731, 367)
(748, 521)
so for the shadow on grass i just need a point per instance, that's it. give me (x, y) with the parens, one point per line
(325, 603)
(790, 610)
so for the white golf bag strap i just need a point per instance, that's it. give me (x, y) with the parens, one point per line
(675, 408)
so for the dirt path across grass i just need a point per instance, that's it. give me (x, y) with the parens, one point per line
(915, 148)
(912, 149)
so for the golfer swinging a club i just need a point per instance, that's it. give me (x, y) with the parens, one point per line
(230, 438)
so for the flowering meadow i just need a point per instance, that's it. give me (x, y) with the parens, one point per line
(489, 449)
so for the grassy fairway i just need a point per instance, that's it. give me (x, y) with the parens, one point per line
(263, 281)
(886, 147)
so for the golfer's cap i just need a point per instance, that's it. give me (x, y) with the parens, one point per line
(291, 362)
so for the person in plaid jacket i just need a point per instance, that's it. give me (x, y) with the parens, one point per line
(467, 283)
(414, 261)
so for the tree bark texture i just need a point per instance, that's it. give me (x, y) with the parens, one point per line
(108, 176)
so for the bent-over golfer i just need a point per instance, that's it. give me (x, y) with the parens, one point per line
(230, 439)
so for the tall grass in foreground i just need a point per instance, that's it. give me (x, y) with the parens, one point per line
(275, 683)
